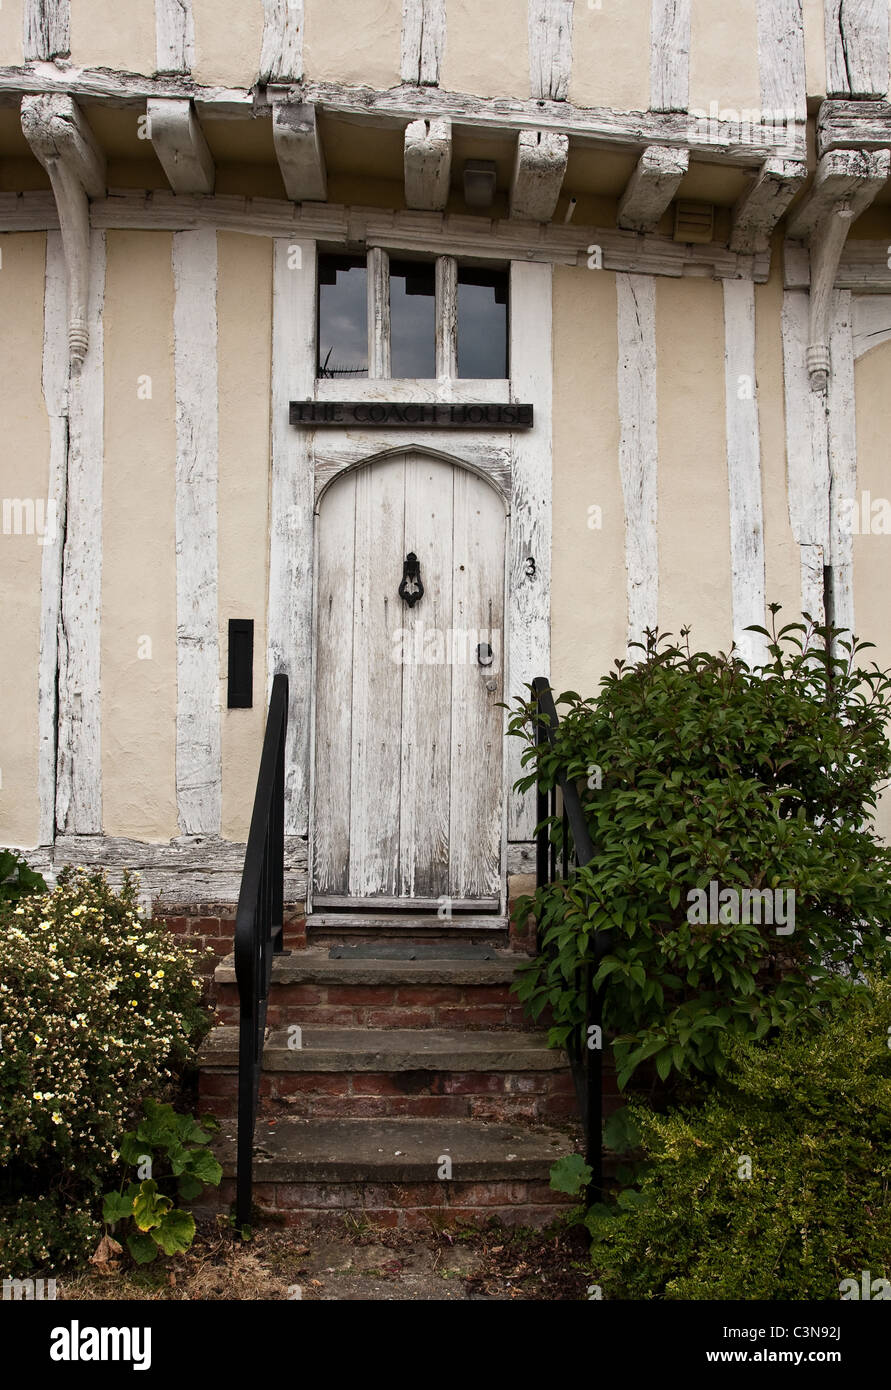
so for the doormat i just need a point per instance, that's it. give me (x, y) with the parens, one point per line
(433, 952)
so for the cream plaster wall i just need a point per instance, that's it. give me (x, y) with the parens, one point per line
(107, 36)
(354, 41)
(24, 465)
(694, 511)
(11, 29)
(611, 56)
(244, 311)
(138, 523)
(227, 42)
(588, 579)
(724, 56)
(486, 48)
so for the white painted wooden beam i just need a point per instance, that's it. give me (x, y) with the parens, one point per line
(298, 148)
(807, 457)
(669, 55)
(846, 183)
(428, 164)
(856, 47)
(423, 41)
(639, 450)
(655, 181)
(78, 758)
(55, 395)
(529, 585)
(595, 126)
(281, 52)
(198, 749)
(539, 169)
(174, 35)
(764, 203)
(179, 143)
(781, 64)
(425, 232)
(870, 321)
(853, 125)
(842, 438)
(446, 317)
(66, 147)
(45, 30)
(851, 176)
(744, 469)
(378, 290)
(289, 621)
(550, 48)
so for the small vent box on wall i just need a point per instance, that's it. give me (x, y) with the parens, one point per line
(694, 221)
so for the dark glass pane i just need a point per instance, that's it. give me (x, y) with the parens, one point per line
(482, 322)
(412, 318)
(343, 317)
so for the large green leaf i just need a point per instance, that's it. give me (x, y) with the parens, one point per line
(176, 1232)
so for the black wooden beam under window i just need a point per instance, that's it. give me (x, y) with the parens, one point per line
(241, 663)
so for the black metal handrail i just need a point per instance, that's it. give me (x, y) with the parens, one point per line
(258, 932)
(577, 850)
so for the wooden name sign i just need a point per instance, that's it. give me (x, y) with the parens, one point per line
(422, 414)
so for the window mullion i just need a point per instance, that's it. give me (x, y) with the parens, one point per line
(446, 316)
(378, 313)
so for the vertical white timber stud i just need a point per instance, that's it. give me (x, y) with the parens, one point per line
(289, 620)
(670, 55)
(807, 461)
(378, 286)
(281, 51)
(174, 35)
(55, 382)
(79, 765)
(842, 460)
(743, 468)
(423, 41)
(45, 30)
(446, 317)
(856, 48)
(198, 753)
(639, 449)
(550, 48)
(781, 71)
(529, 560)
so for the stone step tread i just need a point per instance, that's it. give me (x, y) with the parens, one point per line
(315, 967)
(398, 1150)
(408, 921)
(390, 1049)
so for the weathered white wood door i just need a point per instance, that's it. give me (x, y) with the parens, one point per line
(409, 752)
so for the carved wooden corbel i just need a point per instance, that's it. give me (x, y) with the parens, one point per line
(66, 147)
(846, 182)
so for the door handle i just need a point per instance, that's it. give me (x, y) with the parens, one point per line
(411, 588)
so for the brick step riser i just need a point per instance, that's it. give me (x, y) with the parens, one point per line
(500, 1097)
(386, 1006)
(404, 1206)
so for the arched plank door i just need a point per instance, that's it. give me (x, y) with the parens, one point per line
(409, 752)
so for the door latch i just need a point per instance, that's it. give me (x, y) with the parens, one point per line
(484, 654)
(411, 588)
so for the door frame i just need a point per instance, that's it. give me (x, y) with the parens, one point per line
(498, 479)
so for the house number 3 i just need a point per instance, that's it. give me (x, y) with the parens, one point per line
(530, 567)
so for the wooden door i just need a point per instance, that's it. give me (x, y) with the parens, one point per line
(408, 733)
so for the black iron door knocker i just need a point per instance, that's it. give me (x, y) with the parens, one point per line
(411, 588)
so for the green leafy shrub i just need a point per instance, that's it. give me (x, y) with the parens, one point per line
(811, 1112)
(17, 880)
(97, 1009)
(177, 1142)
(714, 773)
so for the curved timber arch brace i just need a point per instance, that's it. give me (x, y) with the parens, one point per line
(63, 142)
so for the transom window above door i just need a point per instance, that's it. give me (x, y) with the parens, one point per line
(386, 316)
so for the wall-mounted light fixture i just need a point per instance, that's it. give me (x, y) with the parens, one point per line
(479, 182)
